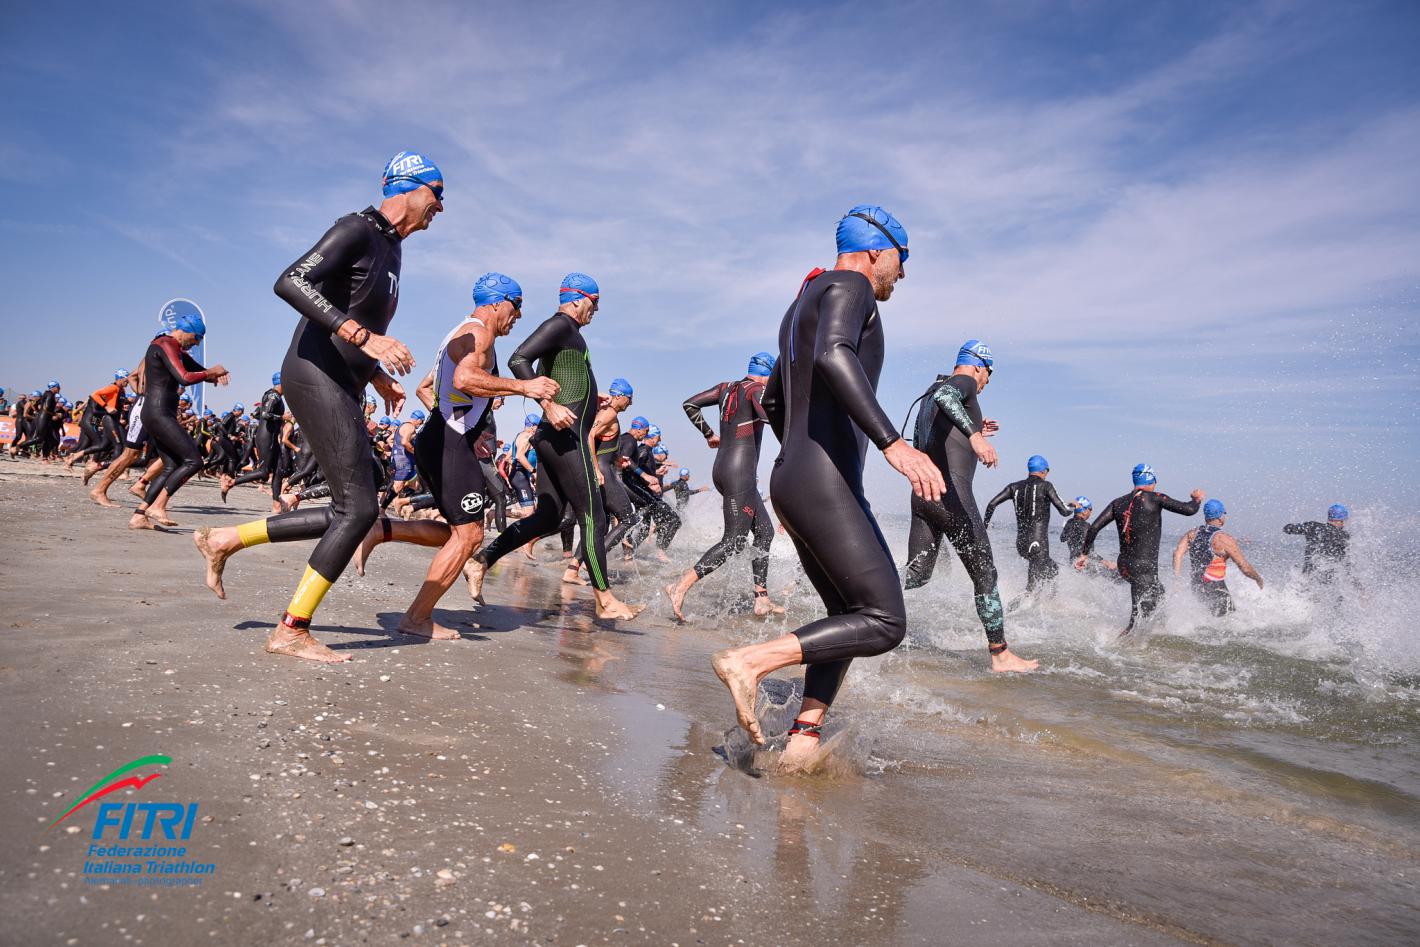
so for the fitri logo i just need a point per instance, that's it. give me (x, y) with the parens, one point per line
(472, 502)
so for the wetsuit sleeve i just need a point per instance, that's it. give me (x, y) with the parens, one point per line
(951, 399)
(179, 363)
(341, 246)
(1054, 498)
(773, 403)
(1101, 521)
(842, 310)
(546, 340)
(695, 404)
(756, 402)
(1178, 506)
(996, 501)
(1295, 529)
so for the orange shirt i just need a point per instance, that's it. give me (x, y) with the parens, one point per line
(108, 397)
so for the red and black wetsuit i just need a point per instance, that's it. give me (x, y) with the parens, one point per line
(167, 370)
(1139, 517)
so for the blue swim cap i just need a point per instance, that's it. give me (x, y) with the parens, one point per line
(577, 286)
(653, 431)
(640, 423)
(385, 421)
(492, 288)
(659, 451)
(1037, 463)
(182, 397)
(238, 407)
(418, 414)
(1144, 476)
(53, 384)
(191, 321)
(275, 379)
(532, 420)
(620, 387)
(408, 171)
(119, 375)
(35, 393)
(1082, 502)
(532, 456)
(1337, 512)
(870, 227)
(1214, 509)
(369, 399)
(209, 412)
(761, 364)
(685, 473)
(976, 352)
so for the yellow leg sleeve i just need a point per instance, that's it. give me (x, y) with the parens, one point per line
(253, 533)
(308, 594)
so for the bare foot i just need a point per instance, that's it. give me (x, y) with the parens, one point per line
(371, 540)
(138, 489)
(162, 518)
(298, 643)
(474, 571)
(140, 521)
(428, 628)
(216, 561)
(100, 497)
(763, 607)
(573, 577)
(616, 610)
(89, 471)
(677, 597)
(288, 502)
(1007, 661)
(227, 483)
(799, 755)
(743, 686)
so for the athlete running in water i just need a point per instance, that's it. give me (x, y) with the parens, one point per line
(1327, 543)
(606, 439)
(269, 413)
(345, 289)
(568, 474)
(167, 369)
(465, 382)
(953, 433)
(1072, 534)
(1033, 497)
(1208, 549)
(682, 489)
(1139, 517)
(736, 476)
(822, 402)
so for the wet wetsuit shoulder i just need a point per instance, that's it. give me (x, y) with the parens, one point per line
(352, 272)
(950, 415)
(1010, 491)
(557, 350)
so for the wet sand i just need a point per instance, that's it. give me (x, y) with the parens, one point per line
(553, 779)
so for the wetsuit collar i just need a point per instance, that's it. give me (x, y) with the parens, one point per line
(381, 222)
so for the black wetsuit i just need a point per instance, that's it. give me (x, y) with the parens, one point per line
(735, 473)
(682, 492)
(950, 415)
(566, 469)
(167, 369)
(1033, 497)
(1326, 547)
(822, 402)
(614, 497)
(351, 273)
(652, 508)
(1139, 517)
(1072, 534)
(267, 442)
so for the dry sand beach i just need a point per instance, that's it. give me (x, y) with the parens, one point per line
(554, 780)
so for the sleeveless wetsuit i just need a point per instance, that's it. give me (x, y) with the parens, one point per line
(1208, 570)
(735, 473)
(822, 402)
(567, 476)
(444, 446)
(1032, 497)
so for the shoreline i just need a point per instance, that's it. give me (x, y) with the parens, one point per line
(591, 747)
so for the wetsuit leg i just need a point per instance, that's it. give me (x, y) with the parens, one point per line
(847, 559)
(763, 539)
(924, 542)
(1040, 568)
(1145, 593)
(181, 458)
(267, 450)
(566, 478)
(957, 518)
(1216, 594)
(340, 444)
(568, 529)
(739, 513)
(617, 504)
(495, 488)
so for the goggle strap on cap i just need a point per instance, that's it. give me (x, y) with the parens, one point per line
(886, 233)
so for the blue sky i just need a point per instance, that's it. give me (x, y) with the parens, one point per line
(1191, 232)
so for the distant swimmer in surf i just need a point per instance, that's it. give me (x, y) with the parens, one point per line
(1208, 549)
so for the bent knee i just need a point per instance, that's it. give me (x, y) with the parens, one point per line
(886, 631)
